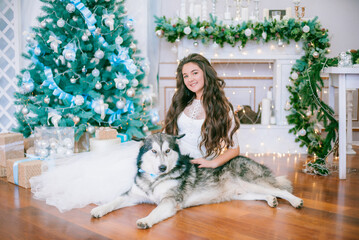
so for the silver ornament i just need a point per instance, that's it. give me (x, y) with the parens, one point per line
(79, 100)
(120, 85)
(302, 132)
(121, 103)
(108, 68)
(69, 65)
(84, 69)
(178, 40)
(75, 18)
(28, 87)
(134, 83)
(280, 43)
(154, 120)
(130, 92)
(37, 51)
(119, 40)
(73, 80)
(25, 110)
(315, 54)
(70, 55)
(47, 100)
(195, 43)
(85, 38)
(60, 23)
(99, 54)
(95, 72)
(90, 129)
(129, 24)
(76, 119)
(98, 85)
(145, 128)
(159, 33)
(43, 152)
(43, 24)
(70, 8)
(133, 46)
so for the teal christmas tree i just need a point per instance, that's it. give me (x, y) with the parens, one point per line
(85, 71)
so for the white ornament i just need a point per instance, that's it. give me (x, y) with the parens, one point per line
(130, 92)
(85, 38)
(108, 68)
(95, 72)
(84, 69)
(75, 18)
(119, 40)
(73, 80)
(79, 100)
(134, 83)
(315, 54)
(28, 87)
(99, 54)
(70, 8)
(61, 23)
(155, 119)
(88, 33)
(25, 110)
(129, 24)
(264, 35)
(43, 152)
(70, 55)
(195, 43)
(294, 75)
(248, 32)
(98, 86)
(309, 113)
(121, 103)
(133, 46)
(280, 43)
(187, 30)
(306, 29)
(215, 45)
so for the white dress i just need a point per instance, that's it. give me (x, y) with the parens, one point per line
(99, 177)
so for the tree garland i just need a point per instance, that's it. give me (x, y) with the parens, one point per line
(313, 121)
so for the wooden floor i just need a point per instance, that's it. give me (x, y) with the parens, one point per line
(331, 211)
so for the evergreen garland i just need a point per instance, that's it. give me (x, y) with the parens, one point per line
(313, 121)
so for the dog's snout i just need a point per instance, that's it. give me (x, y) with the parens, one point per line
(162, 168)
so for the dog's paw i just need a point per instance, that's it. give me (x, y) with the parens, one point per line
(297, 203)
(272, 201)
(143, 224)
(98, 212)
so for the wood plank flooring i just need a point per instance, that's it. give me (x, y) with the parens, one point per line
(331, 211)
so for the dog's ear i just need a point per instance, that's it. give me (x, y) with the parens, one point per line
(179, 136)
(137, 139)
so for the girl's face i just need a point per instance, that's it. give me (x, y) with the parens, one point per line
(193, 78)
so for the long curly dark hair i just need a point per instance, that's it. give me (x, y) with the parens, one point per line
(218, 121)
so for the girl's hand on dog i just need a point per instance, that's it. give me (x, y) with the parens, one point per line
(203, 163)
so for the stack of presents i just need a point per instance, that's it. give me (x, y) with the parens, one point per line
(22, 159)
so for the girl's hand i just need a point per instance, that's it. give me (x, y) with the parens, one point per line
(203, 163)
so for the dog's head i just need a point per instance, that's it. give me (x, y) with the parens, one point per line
(159, 153)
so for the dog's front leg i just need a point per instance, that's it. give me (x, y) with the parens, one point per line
(125, 200)
(165, 209)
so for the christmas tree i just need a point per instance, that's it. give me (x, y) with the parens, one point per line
(84, 71)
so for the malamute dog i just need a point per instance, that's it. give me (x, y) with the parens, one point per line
(168, 179)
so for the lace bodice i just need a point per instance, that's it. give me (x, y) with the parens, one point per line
(190, 122)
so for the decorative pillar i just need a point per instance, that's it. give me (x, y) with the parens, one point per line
(350, 121)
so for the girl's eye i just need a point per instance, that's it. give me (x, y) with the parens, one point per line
(154, 151)
(168, 150)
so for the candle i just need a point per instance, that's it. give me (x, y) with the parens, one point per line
(244, 14)
(183, 9)
(288, 12)
(197, 11)
(265, 14)
(266, 111)
(204, 10)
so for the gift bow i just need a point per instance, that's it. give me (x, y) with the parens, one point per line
(53, 40)
(110, 18)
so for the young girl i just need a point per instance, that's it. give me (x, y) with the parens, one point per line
(201, 110)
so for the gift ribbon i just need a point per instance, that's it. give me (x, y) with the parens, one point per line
(90, 20)
(13, 146)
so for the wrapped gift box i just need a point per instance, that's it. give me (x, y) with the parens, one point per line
(54, 142)
(124, 137)
(28, 143)
(2, 171)
(11, 146)
(106, 133)
(20, 170)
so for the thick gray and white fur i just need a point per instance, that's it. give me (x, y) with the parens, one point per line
(168, 179)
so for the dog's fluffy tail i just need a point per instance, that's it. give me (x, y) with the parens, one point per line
(284, 183)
